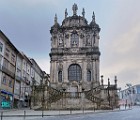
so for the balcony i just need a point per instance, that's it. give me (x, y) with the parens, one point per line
(7, 71)
(18, 78)
(0, 67)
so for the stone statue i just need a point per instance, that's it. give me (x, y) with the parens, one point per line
(74, 8)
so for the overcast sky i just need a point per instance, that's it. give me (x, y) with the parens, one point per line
(27, 24)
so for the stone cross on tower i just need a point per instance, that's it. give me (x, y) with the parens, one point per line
(74, 8)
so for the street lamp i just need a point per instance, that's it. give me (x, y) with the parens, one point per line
(83, 99)
(33, 92)
(25, 92)
(129, 92)
(63, 97)
(108, 92)
(43, 100)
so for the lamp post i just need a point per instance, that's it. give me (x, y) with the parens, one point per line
(26, 92)
(33, 93)
(42, 87)
(63, 97)
(108, 92)
(129, 92)
(83, 99)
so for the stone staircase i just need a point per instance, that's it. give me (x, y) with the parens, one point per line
(94, 95)
(69, 100)
(56, 100)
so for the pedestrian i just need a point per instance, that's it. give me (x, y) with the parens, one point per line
(129, 105)
(126, 104)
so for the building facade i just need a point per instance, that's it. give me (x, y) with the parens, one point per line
(130, 96)
(8, 66)
(18, 80)
(25, 83)
(28, 73)
(17, 73)
(75, 55)
(37, 73)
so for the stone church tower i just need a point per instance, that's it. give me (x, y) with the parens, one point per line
(75, 55)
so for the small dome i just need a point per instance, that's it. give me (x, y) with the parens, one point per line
(74, 21)
(56, 25)
(93, 24)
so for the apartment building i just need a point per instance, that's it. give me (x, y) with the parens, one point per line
(37, 73)
(26, 83)
(17, 74)
(8, 65)
(2, 46)
(130, 95)
(18, 79)
(22, 91)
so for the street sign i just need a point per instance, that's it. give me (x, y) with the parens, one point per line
(5, 104)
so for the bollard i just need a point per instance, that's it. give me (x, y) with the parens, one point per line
(42, 113)
(1, 115)
(70, 111)
(94, 109)
(24, 114)
(83, 110)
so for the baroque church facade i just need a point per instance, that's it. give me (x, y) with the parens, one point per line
(74, 68)
(75, 55)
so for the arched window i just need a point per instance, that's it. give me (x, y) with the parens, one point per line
(74, 72)
(60, 76)
(88, 75)
(74, 40)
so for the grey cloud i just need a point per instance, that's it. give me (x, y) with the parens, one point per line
(27, 24)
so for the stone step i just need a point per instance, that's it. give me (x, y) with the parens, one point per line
(72, 103)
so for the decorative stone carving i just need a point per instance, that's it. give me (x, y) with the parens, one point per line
(88, 40)
(67, 36)
(55, 19)
(54, 37)
(88, 66)
(74, 8)
(66, 13)
(93, 17)
(81, 36)
(83, 12)
(60, 66)
(61, 42)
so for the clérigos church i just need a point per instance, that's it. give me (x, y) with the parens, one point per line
(75, 55)
(74, 67)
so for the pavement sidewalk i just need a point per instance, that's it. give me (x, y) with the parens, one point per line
(26, 113)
